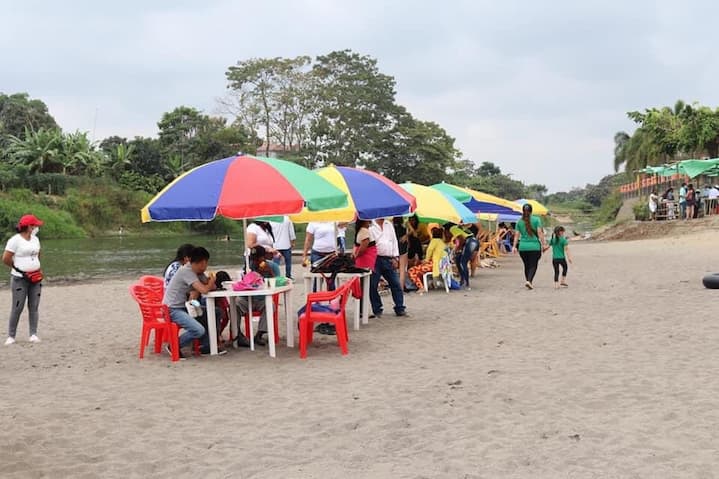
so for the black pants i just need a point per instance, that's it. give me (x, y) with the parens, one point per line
(530, 260)
(556, 263)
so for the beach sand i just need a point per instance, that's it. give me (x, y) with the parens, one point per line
(614, 377)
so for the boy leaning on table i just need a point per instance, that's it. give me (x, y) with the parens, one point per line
(187, 279)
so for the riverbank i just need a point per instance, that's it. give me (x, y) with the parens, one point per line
(604, 379)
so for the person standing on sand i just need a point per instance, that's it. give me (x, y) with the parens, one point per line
(530, 237)
(285, 237)
(653, 204)
(683, 201)
(690, 201)
(560, 255)
(22, 256)
(386, 267)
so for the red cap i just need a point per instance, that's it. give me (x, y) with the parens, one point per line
(29, 220)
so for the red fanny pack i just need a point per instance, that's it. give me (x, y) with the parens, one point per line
(32, 276)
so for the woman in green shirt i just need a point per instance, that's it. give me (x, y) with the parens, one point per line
(530, 236)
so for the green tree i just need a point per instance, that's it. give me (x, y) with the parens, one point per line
(39, 150)
(179, 130)
(18, 112)
(417, 151)
(356, 109)
(270, 94)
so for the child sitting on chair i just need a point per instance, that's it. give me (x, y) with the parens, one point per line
(436, 251)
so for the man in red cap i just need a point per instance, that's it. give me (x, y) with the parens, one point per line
(22, 256)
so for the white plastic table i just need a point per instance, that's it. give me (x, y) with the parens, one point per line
(309, 277)
(267, 293)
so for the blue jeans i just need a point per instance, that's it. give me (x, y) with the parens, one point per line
(384, 269)
(194, 327)
(470, 246)
(287, 255)
(316, 256)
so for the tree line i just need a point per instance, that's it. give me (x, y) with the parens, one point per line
(337, 108)
(668, 134)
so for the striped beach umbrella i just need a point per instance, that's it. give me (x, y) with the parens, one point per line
(369, 194)
(243, 187)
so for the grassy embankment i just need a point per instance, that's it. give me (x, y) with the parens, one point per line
(94, 209)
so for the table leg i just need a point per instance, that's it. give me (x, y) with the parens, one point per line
(357, 313)
(234, 325)
(288, 320)
(212, 325)
(365, 300)
(249, 333)
(269, 312)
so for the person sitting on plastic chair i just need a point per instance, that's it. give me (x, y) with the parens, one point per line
(259, 261)
(436, 253)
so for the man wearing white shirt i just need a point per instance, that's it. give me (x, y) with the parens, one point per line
(386, 267)
(284, 234)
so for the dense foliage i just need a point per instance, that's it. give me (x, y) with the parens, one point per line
(668, 134)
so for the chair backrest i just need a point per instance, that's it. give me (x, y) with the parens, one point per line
(155, 283)
(151, 308)
(347, 292)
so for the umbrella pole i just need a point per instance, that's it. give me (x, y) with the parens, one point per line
(337, 232)
(246, 253)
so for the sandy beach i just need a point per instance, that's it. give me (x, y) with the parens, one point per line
(614, 377)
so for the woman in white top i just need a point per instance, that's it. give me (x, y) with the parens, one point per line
(653, 204)
(22, 256)
(260, 233)
(322, 240)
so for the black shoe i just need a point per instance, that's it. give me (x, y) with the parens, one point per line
(259, 341)
(402, 314)
(328, 329)
(375, 315)
(242, 341)
(169, 351)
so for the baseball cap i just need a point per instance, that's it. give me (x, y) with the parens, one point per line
(29, 220)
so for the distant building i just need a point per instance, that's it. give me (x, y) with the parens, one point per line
(277, 150)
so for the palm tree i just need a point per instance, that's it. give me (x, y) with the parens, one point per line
(39, 151)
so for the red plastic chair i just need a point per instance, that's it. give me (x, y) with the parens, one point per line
(257, 314)
(155, 283)
(339, 318)
(156, 317)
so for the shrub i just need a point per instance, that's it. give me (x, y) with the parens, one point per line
(609, 208)
(56, 224)
(641, 210)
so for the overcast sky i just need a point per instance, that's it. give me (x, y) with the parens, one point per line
(537, 87)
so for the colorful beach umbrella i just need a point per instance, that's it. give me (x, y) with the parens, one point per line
(477, 201)
(369, 194)
(434, 206)
(243, 187)
(537, 208)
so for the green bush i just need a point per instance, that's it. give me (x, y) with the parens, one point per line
(101, 208)
(641, 210)
(609, 208)
(57, 224)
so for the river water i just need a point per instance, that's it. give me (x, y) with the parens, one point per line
(123, 256)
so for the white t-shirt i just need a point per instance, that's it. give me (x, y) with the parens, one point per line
(263, 237)
(324, 236)
(284, 234)
(26, 254)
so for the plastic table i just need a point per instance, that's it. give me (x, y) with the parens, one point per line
(267, 293)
